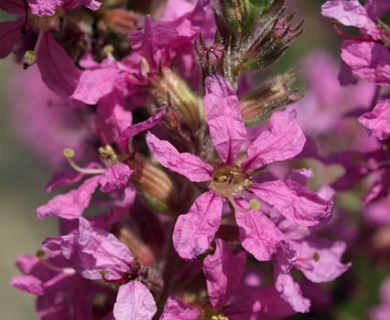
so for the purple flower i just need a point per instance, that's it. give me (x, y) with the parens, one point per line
(230, 179)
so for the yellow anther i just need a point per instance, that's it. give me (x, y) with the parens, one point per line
(69, 153)
(254, 204)
(40, 254)
(247, 183)
(30, 56)
(222, 179)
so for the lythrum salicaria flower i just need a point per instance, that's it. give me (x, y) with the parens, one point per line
(230, 179)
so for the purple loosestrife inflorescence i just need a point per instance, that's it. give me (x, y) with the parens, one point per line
(166, 122)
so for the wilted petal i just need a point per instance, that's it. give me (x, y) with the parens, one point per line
(223, 115)
(295, 202)
(135, 302)
(29, 284)
(186, 164)
(95, 84)
(195, 230)
(72, 204)
(57, 69)
(368, 60)
(178, 309)
(377, 122)
(223, 271)
(115, 177)
(9, 35)
(258, 234)
(320, 259)
(291, 292)
(350, 13)
(283, 140)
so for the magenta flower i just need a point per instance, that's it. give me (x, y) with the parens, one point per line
(230, 179)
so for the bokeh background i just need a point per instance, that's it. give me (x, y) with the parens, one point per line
(22, 175)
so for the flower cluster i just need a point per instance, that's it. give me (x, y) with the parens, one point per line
(188, 193)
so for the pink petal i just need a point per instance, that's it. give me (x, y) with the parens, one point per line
(12, 6)
(377, 8)
(258, 234)
(291, 292)
(29, 284)
(95, 84)
(186, 164)
(115, 177)
(72, 204)
(368, 60)
(57, 69)
(135, 302)
(223, 271)
(350, 13)
(295, 202)
(283, 140)
(377, 122)
(327, 265)
(223, 115)
(9, 35)
(177, 309)
(43, 8)
(195, 230)
(149, 123)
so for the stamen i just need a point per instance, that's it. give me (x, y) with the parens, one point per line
(254, 204)
(316, 256)
(237, 207)
(103, 274)
(69, 154)
(42, 255)
(31, 56)
(348, 36)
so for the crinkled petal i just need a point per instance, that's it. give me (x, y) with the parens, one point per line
(95, 84)
(100, 250)
(368, 60)
(320, 259)
(224, 118)
(43, 8)
(195, 230)
(149, 123)
(177, 309)
(295, 202)
(350, 13)
(72, 204)
(285, 257)
(377, 121)
(57, 69)
(115, 177)
(283, 140)
(258, 234)
(186, 164)
(29, 284)
(9, 35)
(135, 302)
(223, 271)
(291, 292)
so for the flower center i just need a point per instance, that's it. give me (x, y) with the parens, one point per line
(230, 181)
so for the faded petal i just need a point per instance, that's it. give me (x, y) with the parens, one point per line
(368, 60)
(377, 122)
(295, 202)
(291, 292)
(320, 259)
(195, 230)
(29, 284)
(283, 140)
(258, 234)
(95, 84)
(9, 35)
(57, 69)
(350, 13)
(223, 271)
(115, 177)
(186, 164)
(178, 309)
(72, 204)
(223, 115)
(135, 302)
